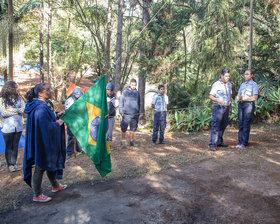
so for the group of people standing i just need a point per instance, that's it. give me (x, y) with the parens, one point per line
(220, 94)
(129, 109)
(45, 148)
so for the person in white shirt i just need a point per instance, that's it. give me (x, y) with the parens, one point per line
(159, 103)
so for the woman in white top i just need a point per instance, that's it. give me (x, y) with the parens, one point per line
(11, 107)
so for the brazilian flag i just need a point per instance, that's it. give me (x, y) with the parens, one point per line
(87, 119)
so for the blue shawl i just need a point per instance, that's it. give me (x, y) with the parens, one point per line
(45, 141)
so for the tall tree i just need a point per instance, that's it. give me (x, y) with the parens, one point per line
(41, 41)
(11, 38)
(119, 45)
(108, 41)
(142, 73)
(49, 43)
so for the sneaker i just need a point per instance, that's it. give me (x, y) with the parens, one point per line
(240, 146)
(163, 142)
(17, 168)
(59, 188)
(154, 143)
(133, 144)
(123, 146)
(212, 148)
(42, 198)
(11, 168)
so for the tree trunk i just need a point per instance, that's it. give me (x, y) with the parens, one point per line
(119, 46)
(251, 34)
(4, 52)
(49, 50)
(66, 74)
(108, 41)
(185, 51)
(142, 74)
(11, 39)
(41, 37)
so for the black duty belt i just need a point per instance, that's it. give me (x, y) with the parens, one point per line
(251, 102)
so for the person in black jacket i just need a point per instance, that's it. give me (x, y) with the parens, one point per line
(129, 108)
(112, 104)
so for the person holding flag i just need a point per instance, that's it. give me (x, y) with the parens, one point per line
(87, 119)
(45, 142)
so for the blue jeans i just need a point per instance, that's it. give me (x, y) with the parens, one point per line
(245, 116)
(71, 142)
(159, 123)
(219, 123)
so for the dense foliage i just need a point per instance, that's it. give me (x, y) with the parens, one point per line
(185, 44)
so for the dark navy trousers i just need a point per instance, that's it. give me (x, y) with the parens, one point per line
(71, 142)
(159, 123)
(245, 117)
(219, 123)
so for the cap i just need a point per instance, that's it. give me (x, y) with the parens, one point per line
(77, 92)
(110, 86)
(95, 81)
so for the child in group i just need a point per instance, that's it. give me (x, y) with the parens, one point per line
(159, 103)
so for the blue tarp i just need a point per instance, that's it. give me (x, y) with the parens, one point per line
(2, 143)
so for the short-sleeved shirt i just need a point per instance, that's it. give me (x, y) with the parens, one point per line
(160, 102)
(222, 91)
(248, 89)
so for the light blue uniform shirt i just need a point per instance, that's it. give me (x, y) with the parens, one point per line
(160, 102)
(221, 91)
(248, 89)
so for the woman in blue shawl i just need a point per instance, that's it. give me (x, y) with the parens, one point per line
(45, 142)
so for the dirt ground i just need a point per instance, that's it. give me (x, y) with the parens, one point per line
(181, 182)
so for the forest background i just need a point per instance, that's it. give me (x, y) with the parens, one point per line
(181, 43)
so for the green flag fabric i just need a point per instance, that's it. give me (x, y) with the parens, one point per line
(87, 119)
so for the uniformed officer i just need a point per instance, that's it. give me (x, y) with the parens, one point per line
(220, 94)
(247, 95)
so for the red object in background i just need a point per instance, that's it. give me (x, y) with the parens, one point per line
(72, 87)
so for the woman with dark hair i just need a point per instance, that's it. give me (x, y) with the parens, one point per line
(11, 108)
(220, 94)
(45, 142)
(247, 95)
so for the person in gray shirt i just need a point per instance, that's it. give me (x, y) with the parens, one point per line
(11, 107)
(129, 108)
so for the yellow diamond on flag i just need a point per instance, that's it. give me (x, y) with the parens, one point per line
(93, 114)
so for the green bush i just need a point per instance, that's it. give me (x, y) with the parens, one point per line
(192, 120)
